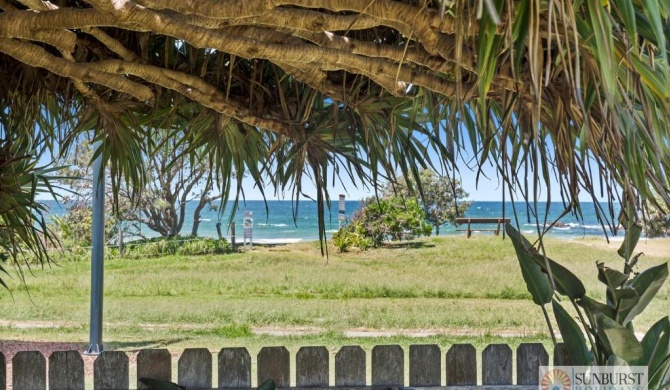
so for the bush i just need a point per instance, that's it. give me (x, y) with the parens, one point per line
(204, 246)
(165, 246)
(383, 219)
(350, 236)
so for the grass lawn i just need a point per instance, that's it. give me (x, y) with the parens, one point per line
(440, 290)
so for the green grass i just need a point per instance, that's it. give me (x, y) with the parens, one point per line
(462, 290)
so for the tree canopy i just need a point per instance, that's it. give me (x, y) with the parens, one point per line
(573, 91)
(441, 198)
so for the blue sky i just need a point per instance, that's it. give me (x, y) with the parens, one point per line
(487, 189)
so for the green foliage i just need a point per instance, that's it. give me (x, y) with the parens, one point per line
(607, 326)
(441, 198)
(353, 235)
(383, 219)
(204, 246)
(174, 178)
(24, 233)
(177, 245)
(75, 227)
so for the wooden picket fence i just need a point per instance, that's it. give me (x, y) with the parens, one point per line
(312, 368)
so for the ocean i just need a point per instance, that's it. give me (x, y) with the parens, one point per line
(277, 224)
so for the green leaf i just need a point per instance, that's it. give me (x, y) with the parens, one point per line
(156, 384)
(626, 303)
(611, 278)
(659, 375)
(520, 32)
(537, 282)
(627, 11)
(656, 345)
(630, 241)
(614, 360)
(594, 307)
(566, 282)
(268, 385)
(617, 339)
(603, 51)
(573, 337)
(624, 293)
(647, 285)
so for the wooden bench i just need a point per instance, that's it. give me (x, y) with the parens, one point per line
(470, 221)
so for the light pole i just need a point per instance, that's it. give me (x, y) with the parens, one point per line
(95, 346)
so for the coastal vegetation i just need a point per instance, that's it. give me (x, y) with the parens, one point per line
(604, 333)
(401, 292)
(442, 198)
(573, 92)
(407, 208)
(562, 94)
(380, 219)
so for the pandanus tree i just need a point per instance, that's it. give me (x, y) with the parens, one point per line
(574, 92)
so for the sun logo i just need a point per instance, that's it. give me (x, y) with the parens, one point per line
(555, 380)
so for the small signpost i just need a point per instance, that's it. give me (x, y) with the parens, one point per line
(248, 223)
(340, 214)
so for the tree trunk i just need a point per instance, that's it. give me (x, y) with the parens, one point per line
(196, 220)
(196, 223)
(437, 230)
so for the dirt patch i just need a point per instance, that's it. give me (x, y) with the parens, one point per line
(656, 247)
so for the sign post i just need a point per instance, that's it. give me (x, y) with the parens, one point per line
(248, 223)
(340, 214)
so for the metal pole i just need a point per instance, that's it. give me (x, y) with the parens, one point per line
(95, 346)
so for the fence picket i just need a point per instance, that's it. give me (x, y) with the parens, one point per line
(497, 365)
(3, 372)
(111, 368)
(234, 368)
(66, 371)
(529, 358)
(110, 371)
(388, 366)
(424, 365)
(274, 363)
(350, 366)
(311, 367)
(195, 368)
(461, 364)
(154, 364)
(29, 371)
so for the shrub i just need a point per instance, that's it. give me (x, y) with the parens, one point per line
(204, 246)
(177, 245)
(383, 219)
(350, 236)
(608, 326)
